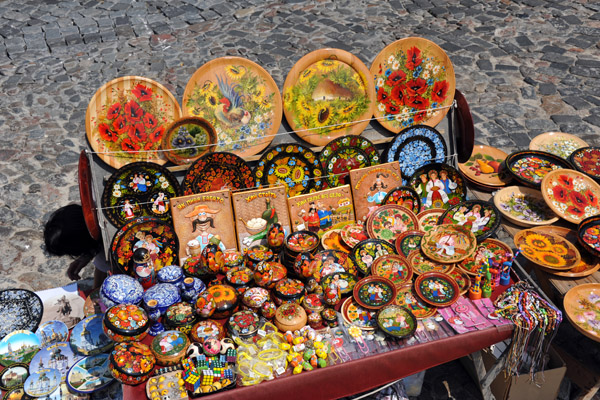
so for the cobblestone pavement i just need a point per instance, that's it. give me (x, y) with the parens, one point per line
(525, 67)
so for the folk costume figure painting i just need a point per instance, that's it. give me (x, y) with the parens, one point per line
(200, 219)
(438, 185)
(371, 185)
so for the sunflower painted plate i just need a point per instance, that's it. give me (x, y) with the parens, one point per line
(354, 314)
(292, 165)
(389, 221)
(558, 143)
(437, 289)
(429, 218)
(572, 195)
(529, 167)
(187, 139)
(421, 264)
(367, 251)
(139, 189)
(524, 206)
(413, 77)
(582, 306)
(547, 250)
(588, 234)
(415, 147)
(482, 218)
(485, 166)
(438, 185)
(127, 118)
(346, 153)
(327, 94)
(448, 243)
(239, 99)
(462, 279)
(490, 248)
(156, 236)
(403, 196)
(587, 160)
(408, 242)
(374, 292)
(393, 267)
(396, 321)
(406, 297)
(217, 171)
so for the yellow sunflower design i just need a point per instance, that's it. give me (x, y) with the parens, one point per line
(547, 250)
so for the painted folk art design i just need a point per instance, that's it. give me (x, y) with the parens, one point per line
(187, 139)
(546, 249)
(413, 76)
(20, 309)
(448, 243)
(393, 267)
(353, 234)
(589, 234)
(396, 321)
(438, 185)
(587, 160)
(530, 167)
(524, 206)
(341, 282)
(480, 217)
(406, 297)
(557, 143)
(484, 166)
(462, 280)
(429, 218)
(389, 221)
(371, 185)
(374, 292)
(408, 242)
(488, 249)
(327, 262)
(126, 120)
(217, 171)
(420, 264)
(328, 94)
(437, 289)
(571, 195)
(404, 196)
(240, 99)
(582, 306)
(354, 314)
(367, 251)
(343, 154)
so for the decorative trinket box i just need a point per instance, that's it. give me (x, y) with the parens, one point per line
(312, 304)
(279, 274)
(120, 289)
(192, 287)
(288, 290)
(233, 258)
(256, 254)
(180, 316)
(207, 329)
(243, 324)
(205, 305)
(226, 300)
(330, 317)
(131, 363)
(263, 274)
(255, 297)
(169, 347)
(171, 274)
(126, 323)
(240, 277)
(165, 294)
(290, 317)
(300, 241)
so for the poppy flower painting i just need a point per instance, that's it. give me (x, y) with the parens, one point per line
(572, 195)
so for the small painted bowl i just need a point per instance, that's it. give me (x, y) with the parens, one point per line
(169, 347)
(126, 323)
(312, 304)
(243, 324)
(239, 276)
(287, 291)
(529, 167)
(315, 320)
(290, 317)
(300, 241)
(120, 289)
(207, 329)
(226, 300)
(171, 274)
(255, 297)
(233, 258)
(396, 321)
(330, 317)
(256, 254)
(192, 266)
(131, 363)
(181, 317)
(166, 294)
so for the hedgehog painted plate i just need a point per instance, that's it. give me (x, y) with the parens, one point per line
(217, 171)
(344, 154)
(572, 195)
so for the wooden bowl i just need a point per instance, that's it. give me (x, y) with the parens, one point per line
(571, 194)
(547, 250)
(557, 143)
(513, 201)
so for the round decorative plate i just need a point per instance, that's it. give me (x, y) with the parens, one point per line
(353, 234)
(239, 99)
(421, 264)
(329, 261)
(482, 218)
(18, 346)
(437, 289)
(462, 279)
(292, 165)
(406, 297)
(88, 205)
(393, 267)
(403, 196)
(396, 321)
(187, 139)
(374, 292)
(327, 94)
(547, 250)
(582, 306)
(524, 206)
(343, 281)
(90, 374)
(588, 234)
(439, 186)
(20, 309)
(217, 171)
(346, 153)
(485, 166)
(413, 77)
(156, 236)
(88, 337)
(389, 221)
(464, 128)
(448, 243)
(589, 263)
(529, 167)
(367, 251)
(139, 189)
(42, 383)
(572, 195)
(587, 160)
(13, 376)
(558, 143)
(485, 188)
(332, 240)
(126, 120)
(415, 147)
(490, 248)
(408, 242)
(429, 218)
(52, 332)
(56, 355)
(354, 314)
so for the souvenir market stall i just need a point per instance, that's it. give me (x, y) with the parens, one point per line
(254, 256)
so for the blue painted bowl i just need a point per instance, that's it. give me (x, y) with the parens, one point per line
(171, 274)
(121, 289)
(166, 294)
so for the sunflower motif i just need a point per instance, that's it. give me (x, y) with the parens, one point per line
(282, 171)
(551, 259)
(326, 65)
(538, 242)
(348, 110)
(264, 104)
(298, 174)
(324, 116)
(207, 87)
(559, 250)
(235, 72)
(211, 100)
(307, 74)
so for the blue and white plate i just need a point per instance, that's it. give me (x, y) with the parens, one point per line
(120, 289)
(20, 309)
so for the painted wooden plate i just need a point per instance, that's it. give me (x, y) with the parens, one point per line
(529, 167)
(127, 118)
(292, 165)
(587, 160)
(88, 204)
(437, 289)
(572, 195)
(464, 128)
(374, 292)
(558, 143)
(438, 185)
(367, 251)
(389, 221)
(589, 263)
(327, 94)
(448, 243)
(332, 240)
(217, 171)
(396, 321)
(406, 297)
(415, 147)
(485, 166)
(393, 267)
(462, 279)
(354, 314)
(588, 234)
(187, 139)
(404, 196)
(421, 264)
(327, 262)
(139, 189)
(408, 242)
(343, 281)
(429, 218)
(346, 153)
(490, 248)
(353, 234)
(547, 250)
(239, 99)
(20, 309)
(156, 236)
(413, 76)
(14, 376)
(524, 206)
(582, 306)
(482, 218)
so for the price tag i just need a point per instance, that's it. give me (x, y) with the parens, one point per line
(280, 371)
(261, 333)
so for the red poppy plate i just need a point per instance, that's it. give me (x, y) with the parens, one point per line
(572, 195)
(437, 289)
(217, 171)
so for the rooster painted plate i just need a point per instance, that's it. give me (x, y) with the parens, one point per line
(217, 171)
(343, 154)
(292, 165)
(240, 99)
(328, 93)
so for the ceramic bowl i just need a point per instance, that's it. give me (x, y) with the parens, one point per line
(120, 289)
